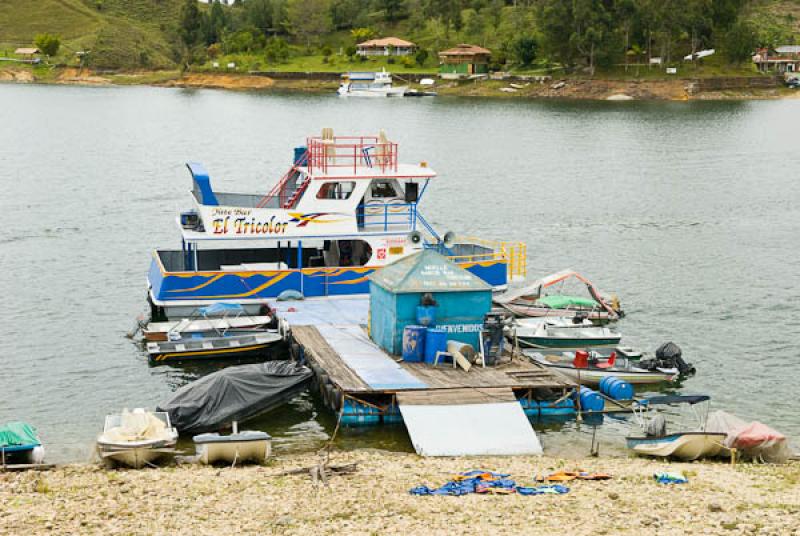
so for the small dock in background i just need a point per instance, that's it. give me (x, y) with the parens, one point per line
(479, 411)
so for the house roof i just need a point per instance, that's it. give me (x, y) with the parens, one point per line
(427, 271)
(788, 49)
(26, 51)
(387, 42)
(464, 50)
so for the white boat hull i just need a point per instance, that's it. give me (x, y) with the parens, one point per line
(135, 457)
(374, 92)
(234, 451)
(157, 331)
(685, 446)
(593, 377)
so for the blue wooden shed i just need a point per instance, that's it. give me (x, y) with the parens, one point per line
(396, 290)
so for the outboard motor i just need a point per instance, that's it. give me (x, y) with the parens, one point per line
(579, 317)
(669, 355)
(493, 326)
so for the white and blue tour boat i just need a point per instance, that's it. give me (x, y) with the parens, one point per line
(345, 208)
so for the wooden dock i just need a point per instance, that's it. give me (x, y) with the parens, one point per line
(520, 375)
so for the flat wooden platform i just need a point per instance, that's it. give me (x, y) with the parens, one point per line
(519, 374)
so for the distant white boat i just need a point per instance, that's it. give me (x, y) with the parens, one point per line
(700, 54)
(367, 84)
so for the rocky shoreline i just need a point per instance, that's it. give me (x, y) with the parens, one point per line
(578, 89)
(87, 499)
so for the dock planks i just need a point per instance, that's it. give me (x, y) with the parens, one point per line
(519, 374)
(320, 352)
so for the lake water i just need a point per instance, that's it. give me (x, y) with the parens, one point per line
(689, 211)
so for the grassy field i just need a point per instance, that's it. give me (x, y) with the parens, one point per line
(119, 33)
(316, 63)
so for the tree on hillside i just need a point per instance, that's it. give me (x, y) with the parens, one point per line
(259, 14)
(309, 19)
(740, 42)
(524, 49)
(448, 11)
(724, 13)
(362, 34)
(392, 9)
(348, 14)
(48, 44)
(191, 23)
(555, 23)
(421, 57)
(217, 21)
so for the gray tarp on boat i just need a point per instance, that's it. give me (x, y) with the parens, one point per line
(234, 394)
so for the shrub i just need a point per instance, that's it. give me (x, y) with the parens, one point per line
(326, 51)
(390, 60)
(277, 50)
(421, 57)
(351, 51)
(524, 50)
(214, 50)
(48, 44)
(407, 62)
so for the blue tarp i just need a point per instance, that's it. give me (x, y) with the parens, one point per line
(486, 482)
(217, 309)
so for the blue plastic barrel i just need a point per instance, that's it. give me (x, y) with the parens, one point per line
(591, 400)
(616, 388)
(426, 315)
(435, 341)
(414, 343)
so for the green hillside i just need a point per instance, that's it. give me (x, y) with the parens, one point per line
(576, 37)
(119, 33)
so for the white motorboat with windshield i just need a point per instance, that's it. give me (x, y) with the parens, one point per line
(367, 84)
(685, 442)
(563, 333)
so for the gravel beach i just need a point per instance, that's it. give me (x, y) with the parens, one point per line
(87, 499)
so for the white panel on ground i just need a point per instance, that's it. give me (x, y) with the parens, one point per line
(468, 429)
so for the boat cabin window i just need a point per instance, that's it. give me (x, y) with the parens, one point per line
(346, 253)
(383, 189)
(336, 190)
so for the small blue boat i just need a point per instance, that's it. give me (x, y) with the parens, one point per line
(20, 444)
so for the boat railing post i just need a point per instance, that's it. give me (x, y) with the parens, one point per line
(385, 217)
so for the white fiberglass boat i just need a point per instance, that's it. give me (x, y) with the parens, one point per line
(366, 84)
(563, 333)
(136, 438)
(236, 448)
(589, 368)
(686, 444)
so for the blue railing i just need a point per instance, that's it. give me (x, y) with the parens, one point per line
(386, 216)
(428, 227)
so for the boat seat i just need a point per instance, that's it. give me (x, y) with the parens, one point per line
(581, 359)
(608, 363)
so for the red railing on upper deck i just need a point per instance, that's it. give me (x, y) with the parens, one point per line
(351, 153)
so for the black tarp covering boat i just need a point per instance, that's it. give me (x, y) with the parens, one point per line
(234, 394)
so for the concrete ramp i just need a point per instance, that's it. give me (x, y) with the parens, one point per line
(467, 422)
